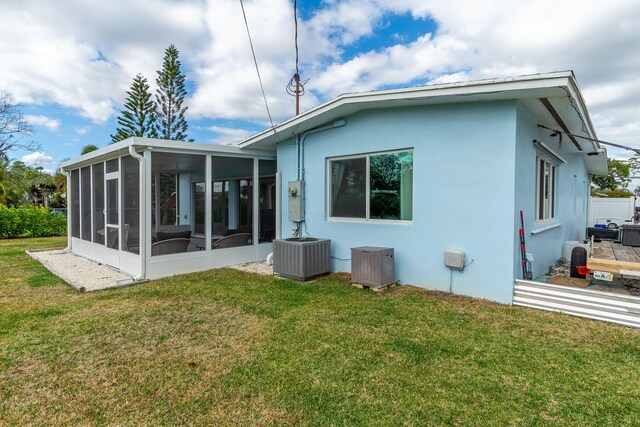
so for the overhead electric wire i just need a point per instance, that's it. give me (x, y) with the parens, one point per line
(255, 61)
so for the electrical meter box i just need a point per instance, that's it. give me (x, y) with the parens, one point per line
(295, 190)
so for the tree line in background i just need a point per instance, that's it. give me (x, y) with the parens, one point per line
(616, 183)
(21, 184)
(26, 192)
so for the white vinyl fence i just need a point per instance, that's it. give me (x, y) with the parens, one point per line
(611, 210)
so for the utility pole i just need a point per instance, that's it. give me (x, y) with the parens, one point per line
(297, 77)
(295, 86)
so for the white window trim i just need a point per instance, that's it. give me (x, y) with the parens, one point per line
(544, 150)
(543, 224)
(365, 220)
(542, 227)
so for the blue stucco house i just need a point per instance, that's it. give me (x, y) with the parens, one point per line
(420, 170)
(445, 166)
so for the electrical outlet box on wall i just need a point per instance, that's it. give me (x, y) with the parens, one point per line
(454, 259)
(295, 192)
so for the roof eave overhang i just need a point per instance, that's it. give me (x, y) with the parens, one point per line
(535, 86)
(101, 154)
(597, 164)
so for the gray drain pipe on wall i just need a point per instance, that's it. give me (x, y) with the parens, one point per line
(141, 221)
(300, 139)
(300, 143)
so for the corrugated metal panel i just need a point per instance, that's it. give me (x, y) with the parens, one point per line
(599, 305)
(301, 259)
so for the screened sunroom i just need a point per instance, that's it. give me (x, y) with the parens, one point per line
(154, 208)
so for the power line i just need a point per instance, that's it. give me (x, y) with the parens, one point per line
(255, 61)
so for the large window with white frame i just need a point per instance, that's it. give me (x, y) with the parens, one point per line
(375, 186)
(546, 179)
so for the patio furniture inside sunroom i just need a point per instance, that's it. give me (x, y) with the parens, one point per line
(155, 208)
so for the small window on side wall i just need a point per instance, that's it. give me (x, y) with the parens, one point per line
(546, 177)
(376, 186)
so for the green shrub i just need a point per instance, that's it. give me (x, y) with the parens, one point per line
(30, 221)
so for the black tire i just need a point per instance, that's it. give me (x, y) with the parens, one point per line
(612, 226)
(578, 258)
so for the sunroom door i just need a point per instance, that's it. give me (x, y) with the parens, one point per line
(112, 211)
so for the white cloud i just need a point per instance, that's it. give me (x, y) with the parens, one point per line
(226, 135)
(423, 59)
(81, 130)
(37, 158)
(70, 52)
(485, 39)
(44, 121)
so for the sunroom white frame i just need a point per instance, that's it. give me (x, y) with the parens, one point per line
(143, 265)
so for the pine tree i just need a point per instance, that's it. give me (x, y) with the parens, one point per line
(169, 112)
(138, 117)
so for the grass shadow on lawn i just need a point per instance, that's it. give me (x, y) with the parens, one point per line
(225, 347)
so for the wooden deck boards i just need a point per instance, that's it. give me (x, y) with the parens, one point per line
(613, 257)
(615, 252)
(603, 250)
(625, 253)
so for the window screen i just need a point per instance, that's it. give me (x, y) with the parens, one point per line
(74, 195)
(85, 202)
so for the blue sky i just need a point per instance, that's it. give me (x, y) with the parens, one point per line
(69, 62)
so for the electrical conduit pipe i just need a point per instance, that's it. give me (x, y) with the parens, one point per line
(300, 139)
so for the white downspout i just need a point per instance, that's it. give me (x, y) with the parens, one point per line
(142, 215)
(68, 175)
(278, 202)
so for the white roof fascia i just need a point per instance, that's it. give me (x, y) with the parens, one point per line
(163, 145)
(426, 93)
(574, 93)
(104, 152)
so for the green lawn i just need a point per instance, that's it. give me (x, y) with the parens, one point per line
(228, 348)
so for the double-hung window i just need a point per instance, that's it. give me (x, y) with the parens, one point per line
(376, 186)
(546, 178)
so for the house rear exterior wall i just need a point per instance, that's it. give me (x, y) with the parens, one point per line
(571, 194)
(463, 184)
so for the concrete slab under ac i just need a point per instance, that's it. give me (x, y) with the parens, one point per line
(81, 273)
